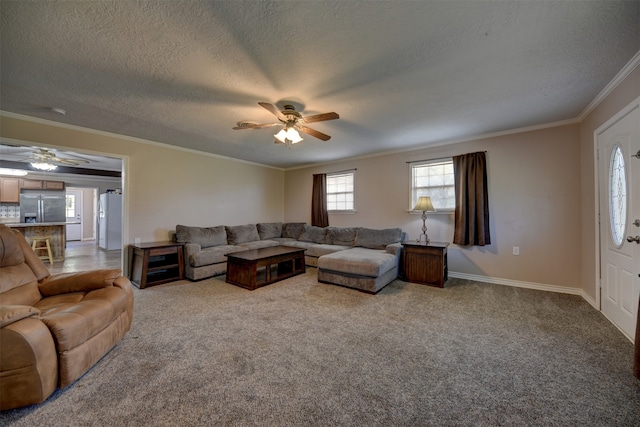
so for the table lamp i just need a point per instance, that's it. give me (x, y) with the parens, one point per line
(424, 204)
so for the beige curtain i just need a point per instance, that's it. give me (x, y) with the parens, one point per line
(319, 214)
(472, 200)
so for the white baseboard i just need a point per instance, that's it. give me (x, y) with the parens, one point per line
(520, 284)
(590, 300)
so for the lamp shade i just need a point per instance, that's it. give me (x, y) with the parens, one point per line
(288, 136)
(424, 204)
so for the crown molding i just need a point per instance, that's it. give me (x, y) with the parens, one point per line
(120, 136)
(623, 74)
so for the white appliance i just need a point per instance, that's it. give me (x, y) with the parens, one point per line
(110, 221)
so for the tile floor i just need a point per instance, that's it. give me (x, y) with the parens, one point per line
(80, 256)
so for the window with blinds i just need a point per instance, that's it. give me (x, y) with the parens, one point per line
(341, 192)
(433, 178)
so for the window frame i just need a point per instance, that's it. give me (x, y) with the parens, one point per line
(618, 223)
(352, 173)
(413, 190)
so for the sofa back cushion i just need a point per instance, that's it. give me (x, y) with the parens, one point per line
(311, 233)
(203, 236)
(242, 234)
(344, 236)
(18, 282)
(269, 230)
(377, 239)
(292, 230)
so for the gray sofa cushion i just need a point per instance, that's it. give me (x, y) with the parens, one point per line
(242, 234)
(313, 234)
(212, 255)
(258, 244)
(203, 236)
(359, 261)
(318, 250)
(377, 239)
(345, 236)
(297, 244)
(292, 230)
(269, 230)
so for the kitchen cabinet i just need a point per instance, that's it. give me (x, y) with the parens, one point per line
(53, 185)
(31, 184)
(36, 184)
(10, 190)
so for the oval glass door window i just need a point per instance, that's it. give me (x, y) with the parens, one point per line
(617, 196)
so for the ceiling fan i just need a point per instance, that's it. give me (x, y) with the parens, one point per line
(43, 159)
(293, 123)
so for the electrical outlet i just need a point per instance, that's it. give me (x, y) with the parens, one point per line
(516, 250)
(136, 241)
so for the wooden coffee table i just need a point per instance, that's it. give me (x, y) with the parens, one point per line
(254, 268)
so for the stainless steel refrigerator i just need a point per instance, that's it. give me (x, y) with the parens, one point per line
(42, 206)
(110, 221)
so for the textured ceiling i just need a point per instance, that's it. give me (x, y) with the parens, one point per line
(401, 74)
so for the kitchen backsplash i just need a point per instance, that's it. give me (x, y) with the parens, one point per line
(9, 212)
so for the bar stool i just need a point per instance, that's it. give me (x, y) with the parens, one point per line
(35, 241)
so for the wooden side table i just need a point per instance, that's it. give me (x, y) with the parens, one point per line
(154, 263)
(425, 263)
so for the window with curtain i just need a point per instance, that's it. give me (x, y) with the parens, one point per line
(434, 178)
(341, 192)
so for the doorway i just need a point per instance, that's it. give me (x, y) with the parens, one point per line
(80, 208)
(618, 148)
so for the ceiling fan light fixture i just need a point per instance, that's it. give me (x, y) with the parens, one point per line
(288, 136)
(43, 166)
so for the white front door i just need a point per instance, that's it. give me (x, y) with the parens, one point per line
(74, 215)
(618, 143)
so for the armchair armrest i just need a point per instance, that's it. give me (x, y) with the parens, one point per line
(12, 313)
(83, 281)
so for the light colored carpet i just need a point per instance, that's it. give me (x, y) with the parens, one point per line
(302, 353)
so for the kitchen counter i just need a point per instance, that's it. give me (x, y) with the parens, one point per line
(55, 230)
(34, 224)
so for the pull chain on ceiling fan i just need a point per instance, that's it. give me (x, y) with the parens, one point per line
(293, 123)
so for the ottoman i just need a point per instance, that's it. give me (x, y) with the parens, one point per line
(367, 270)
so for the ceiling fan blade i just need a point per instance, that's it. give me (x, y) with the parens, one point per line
(321, 117)
(315, 133)
(70, 162)
(273, 110)
(243, 125)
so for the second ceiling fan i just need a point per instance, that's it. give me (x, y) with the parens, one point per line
(293, 123)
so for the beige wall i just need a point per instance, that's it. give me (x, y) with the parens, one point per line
(534, 194)
(541, 184)
(624, 94)
(166, 186)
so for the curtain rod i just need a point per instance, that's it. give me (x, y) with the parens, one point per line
(438, 159)
(348, 170)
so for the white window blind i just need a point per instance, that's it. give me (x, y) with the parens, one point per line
(340, 191)
(433, 178)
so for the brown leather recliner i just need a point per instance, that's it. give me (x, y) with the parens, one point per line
(53, 328)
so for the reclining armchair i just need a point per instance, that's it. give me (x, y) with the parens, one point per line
(53, 328)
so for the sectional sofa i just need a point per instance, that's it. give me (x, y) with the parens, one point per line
(356, 257)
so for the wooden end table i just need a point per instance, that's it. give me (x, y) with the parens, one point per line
(425, 263)
(154, 263)
(260, 267)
